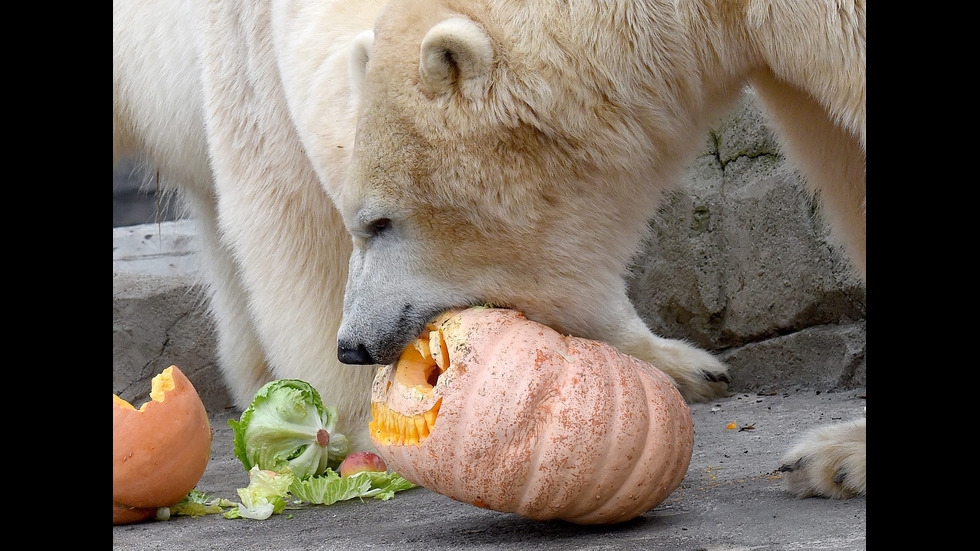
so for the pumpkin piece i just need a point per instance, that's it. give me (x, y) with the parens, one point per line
(159, 451)
(518, 418)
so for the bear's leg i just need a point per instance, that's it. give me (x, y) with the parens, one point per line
(240, 355)
(829, 461)
(830, 157)
(698, 375)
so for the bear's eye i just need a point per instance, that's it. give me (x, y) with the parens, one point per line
(378, 226)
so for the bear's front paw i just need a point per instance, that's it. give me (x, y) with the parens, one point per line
(828, 462)
(698, 374)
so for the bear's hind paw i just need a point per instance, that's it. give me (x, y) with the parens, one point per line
(828, 462)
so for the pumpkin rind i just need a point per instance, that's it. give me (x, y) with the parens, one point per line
(126, 515)
(159, 452)
(542, 425)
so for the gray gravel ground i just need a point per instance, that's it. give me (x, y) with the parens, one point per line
(731, 499)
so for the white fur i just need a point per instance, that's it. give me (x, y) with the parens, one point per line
(512, 152)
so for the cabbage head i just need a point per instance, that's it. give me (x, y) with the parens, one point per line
(287, 429)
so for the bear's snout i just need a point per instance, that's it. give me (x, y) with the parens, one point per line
(354, 355)
(381, 350)
(379, 335)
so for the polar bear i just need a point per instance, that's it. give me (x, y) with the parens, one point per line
(358, 167)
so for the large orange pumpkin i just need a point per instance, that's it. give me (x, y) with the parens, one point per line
(159, 451)
(492, 409)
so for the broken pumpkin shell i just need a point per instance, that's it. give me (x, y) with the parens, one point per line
(159, 451)
(492, 409)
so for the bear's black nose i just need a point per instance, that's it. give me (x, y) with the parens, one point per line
(354, 355)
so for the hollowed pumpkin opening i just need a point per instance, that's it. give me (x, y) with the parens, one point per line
(418, 368)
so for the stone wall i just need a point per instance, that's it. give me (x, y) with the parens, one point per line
(740, 262)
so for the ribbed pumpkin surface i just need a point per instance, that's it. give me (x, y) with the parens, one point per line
(539, 424)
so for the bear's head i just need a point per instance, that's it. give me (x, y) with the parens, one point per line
(500, 157)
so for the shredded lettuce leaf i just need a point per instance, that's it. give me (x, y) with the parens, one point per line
(197, 503)
(266, 495)
(330, 488)
(269, 493)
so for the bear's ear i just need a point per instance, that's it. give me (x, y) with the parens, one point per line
(360, 52)
(458, 52)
